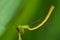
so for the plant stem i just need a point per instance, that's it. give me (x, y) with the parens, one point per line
(19, 36)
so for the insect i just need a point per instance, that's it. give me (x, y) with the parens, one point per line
(20, 30)
(22, 27)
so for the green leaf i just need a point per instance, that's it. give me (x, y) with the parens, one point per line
(24, 12)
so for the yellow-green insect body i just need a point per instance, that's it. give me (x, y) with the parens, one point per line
(21, 28)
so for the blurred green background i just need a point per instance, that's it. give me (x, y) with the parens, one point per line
(25, 12)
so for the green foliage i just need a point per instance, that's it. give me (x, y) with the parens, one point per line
(17, 12)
